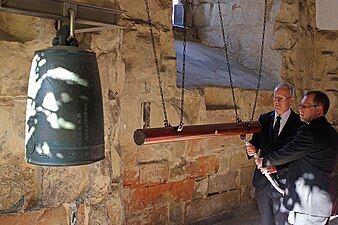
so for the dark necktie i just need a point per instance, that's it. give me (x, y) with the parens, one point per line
(276, 129)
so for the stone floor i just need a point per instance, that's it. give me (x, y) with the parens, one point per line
(205, 66)
(248, 215)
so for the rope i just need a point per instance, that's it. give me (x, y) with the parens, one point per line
(273, 183)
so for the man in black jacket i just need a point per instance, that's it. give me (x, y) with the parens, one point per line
(278, 128)
(312, 158)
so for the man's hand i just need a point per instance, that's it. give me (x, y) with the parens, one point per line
(269, 170)
(259, 162)
(250, 149)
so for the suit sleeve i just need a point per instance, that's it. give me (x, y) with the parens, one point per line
(256, 139)
(300, 146)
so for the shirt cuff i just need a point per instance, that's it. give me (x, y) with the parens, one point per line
(266, 162)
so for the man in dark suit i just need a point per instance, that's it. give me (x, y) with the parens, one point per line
(312, 158)
(278, 128)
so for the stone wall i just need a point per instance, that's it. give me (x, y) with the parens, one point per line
(295, 50)
(243, 27)
(173, 183)
(54, 195)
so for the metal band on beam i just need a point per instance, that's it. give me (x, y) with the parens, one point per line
(87, 17)
(170, 134)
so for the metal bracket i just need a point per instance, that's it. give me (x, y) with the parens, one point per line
(87, 17)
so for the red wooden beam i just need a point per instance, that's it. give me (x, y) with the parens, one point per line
(170, 134)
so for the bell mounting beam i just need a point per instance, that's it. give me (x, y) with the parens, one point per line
(88, 17)
(170, 134)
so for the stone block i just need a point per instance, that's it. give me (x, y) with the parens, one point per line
(196, 147)
(18, 28)
(154, 174)
(215, 96)
(195, 168)
(82, 213)
(203, 166)
(239, 160)
(202, 15)
(221, 116)
(200, 188)
(107, 41)
(216, 144)
(223, 182)
(57, 181)
(108, 211)
(225, 162)
(289, 12)
(332, 114)
(46, 216)
(149, 216)
(247, 195)
(265, 100)
(194, 106)
(160, 12)
(212, 205)
(160, 195)
(7, 126)
(116, 163)
(176, 214)
(12, 189)
(152, 154)
(246, 175)
(177, 171)
(286, 39)
(214, 15)
(19, 123)
(131, 177)
(129, 155)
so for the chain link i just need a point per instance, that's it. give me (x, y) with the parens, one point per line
(166, 122)
(260, 63)
(261, 60)
(180, 127)
(186, 9)
(228, 63)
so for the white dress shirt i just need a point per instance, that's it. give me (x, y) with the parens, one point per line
(285, 117)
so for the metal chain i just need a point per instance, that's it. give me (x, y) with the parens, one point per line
(166, 122)
(261, 60)
(227, 60)
(185, 10)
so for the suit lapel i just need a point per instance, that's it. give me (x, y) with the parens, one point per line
(272, 118)
(288, 125)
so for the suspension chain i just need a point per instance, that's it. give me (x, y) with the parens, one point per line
(261, 60)
(260, 63)
(227, 60)
(166, 122)
(185, 10)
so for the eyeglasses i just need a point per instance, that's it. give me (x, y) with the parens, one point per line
(279, 99)
(306, 106)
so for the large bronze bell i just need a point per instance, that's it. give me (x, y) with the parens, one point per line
(64, 115)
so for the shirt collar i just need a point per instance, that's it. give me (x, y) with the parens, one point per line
(284, 116)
